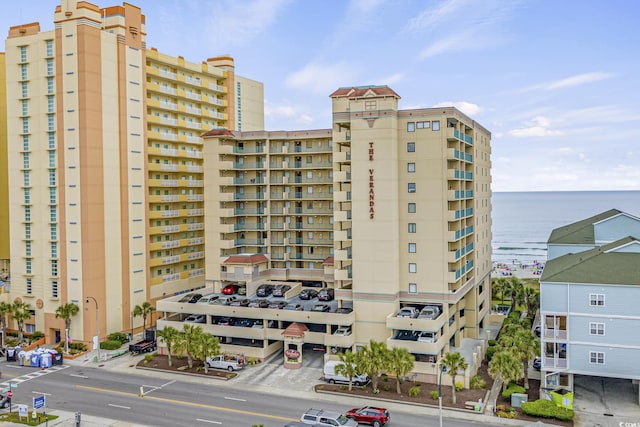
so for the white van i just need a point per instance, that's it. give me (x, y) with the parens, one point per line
(331, 376)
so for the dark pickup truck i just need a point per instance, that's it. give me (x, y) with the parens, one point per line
(147, 345)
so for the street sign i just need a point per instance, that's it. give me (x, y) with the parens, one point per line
(10, 394)
(38, 402)
(23, 410)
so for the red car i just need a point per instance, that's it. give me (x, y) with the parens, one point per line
(230, 289)
(369, 415)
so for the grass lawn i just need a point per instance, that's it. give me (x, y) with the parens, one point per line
(28, 421)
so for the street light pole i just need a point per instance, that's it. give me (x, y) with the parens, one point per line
(441, 368)
(97, 324)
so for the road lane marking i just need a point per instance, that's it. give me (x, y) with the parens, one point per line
(14, 366)
(235, 398)
(208, 421)
(40, 392)
(119, 406)
(78, 376)
(185, 403)
(169, 383)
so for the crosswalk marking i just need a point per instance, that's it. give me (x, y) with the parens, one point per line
(32, 375)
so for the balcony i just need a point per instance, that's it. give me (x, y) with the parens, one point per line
(554, 362)
(555, 334)
(418, 347)
(406, 323)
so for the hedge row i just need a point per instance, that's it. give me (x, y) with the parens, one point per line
(546, 409)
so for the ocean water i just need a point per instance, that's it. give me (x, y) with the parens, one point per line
(522, 222)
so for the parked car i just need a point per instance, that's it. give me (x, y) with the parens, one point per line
(407, 335)
(225, 301)
(307, 294)
(4, 402)
(279, 305)
(259, 303)
(194, 298)
(537, 363)
(411, 312)
(537, 330)
(297, 307)
(225, 321)
(264, 290)
(196, 318)
(240, 303)
(326, 294)
(280, 290)
(429, 312)
(344, 310)
(320, 417)
(321, 307)
(230, 289)
(185, 298)
(242, 290)
(244, 323)
(373, 415)
(208, 299)
(428, 336)
(343, 331)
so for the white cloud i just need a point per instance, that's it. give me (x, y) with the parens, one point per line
(392, 79)
(321, 78)
(577, 80)
(435, 15)
(468, 108)
(536, 127)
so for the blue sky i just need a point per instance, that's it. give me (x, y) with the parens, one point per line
(556, 82)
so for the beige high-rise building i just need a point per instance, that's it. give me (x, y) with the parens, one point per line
(105, 165)
(388, 212)
(4, 178)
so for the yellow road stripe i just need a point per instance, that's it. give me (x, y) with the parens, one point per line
(182, 402)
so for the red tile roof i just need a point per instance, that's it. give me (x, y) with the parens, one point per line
(295, 330)
(218, 132)
(246, 259)
(328, 261)
(362, 91)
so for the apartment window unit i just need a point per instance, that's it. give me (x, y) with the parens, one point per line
(27, 231)
(53, 214)
(27, 248)
(27, 196)
(411, 127)
(411, 207)
(25, 125)
(52, 178)
(52, 159)
(413, 288)
(27, 180)
(413, 267)
(25, 107)
(54, 250)
(51, 122)
(28, 266)
(423, 125)
(52, 140)
(411, 187)
(29, 288)
(54, 268)
(435, 125)
(27, 213)
(596, 300)
(50, 86)
(412, 227)
(25, 142)
(370, 105)
(51, 107)
(52, 196)
(25, 161)
(596, 358)
(54, 232)
(596, 328)
(25, 90)
(49, 47)
(411, 147)
(23, 54)
(54, 289)
(49, 66)
(412, 248)
(411, 167)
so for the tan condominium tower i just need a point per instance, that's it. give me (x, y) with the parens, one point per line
(389, 210)
(105, 165)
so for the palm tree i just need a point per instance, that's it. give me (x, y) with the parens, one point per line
(515, 289)
(170, 336)
(499, 286)
(454, 362)
(374, 359)
(348, 367)
(207, 345)
(5, 308)
(523, 344)
(143, 310)
(66, 312)
(20, 312)
(401, 362)
(188, 342)
(507, 365)
(531, 301)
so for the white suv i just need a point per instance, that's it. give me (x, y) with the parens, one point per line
(320, 417)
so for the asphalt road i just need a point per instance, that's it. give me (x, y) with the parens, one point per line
(116, 395)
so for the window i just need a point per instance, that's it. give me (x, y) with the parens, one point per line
(413, 288)
(413, 267)
(596, 358)
(369, 105)
(422, 125)
(412, 248)
(411, 187)
(596, 300)
(411, 167)
(596, 328)
(29, 288)
(54, 289)
(435, 125)
(411, 127)
(412, 208)
(411, 147)
(412, 227)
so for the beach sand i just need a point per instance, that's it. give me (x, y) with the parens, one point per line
(517, 270)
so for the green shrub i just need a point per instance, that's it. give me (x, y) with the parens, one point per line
(37, 335)
(515, 314)
(386, 387)
(110, 345)
(118, 336)
(77, 346)
(546, 409)
(459, 386)
(477, 383)
(512, 388)
(434, 394)
(414, 391)
(490, 352)
(493, 342)
(148, 358)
